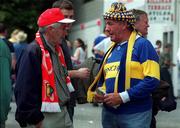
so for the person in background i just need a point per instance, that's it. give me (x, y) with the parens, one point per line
(13, 36)
(141, 25)
(11, 48)
(99, 53)
(80, 53)
(166, 53)
(134, 75)
(21, 43)
(142, 18)
(158, 46)
(166, 63)
(3, 36)
(102, 47)
(67, 9)
(43, 86)
(5, 77)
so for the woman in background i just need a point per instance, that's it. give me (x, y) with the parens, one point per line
(80, 53)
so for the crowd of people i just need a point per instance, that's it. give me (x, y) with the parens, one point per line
(48, 78)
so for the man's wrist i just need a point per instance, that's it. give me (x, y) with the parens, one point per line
(124, 96)
(72, 73)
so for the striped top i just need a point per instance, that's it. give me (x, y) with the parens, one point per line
(144, 75)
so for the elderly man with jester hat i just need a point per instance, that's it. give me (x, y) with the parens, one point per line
(43, 86)
(128, 74)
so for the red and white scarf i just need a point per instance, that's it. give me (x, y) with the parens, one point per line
(50, 100)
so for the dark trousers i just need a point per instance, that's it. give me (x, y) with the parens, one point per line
(153, 122)
(70, 110)
(71, 104)
(155, 110)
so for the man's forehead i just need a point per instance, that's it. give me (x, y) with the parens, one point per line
(67, 13)
(143, 17)
(112, 21)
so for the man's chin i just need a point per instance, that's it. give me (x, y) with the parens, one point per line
(112, 39)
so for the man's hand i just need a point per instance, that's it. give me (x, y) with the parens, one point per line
(113, 99)
(99, 98)
(83, 73)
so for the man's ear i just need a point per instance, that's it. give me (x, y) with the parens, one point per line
(50, 28)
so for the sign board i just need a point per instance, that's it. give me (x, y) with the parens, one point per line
(161, 11)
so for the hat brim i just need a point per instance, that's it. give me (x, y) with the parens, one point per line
(66, 20)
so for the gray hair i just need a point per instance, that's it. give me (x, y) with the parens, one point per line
(137, 13)
(54, 25)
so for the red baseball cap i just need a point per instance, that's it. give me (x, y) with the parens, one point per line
(51, 16)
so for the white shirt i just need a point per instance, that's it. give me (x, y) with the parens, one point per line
(103, 45)
(82, 54)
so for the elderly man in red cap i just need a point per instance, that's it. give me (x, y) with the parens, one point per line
(43, 86)
(129, 72)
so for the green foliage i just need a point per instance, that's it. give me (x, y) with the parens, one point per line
(22, 13)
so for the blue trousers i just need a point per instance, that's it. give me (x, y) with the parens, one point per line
(137, 120)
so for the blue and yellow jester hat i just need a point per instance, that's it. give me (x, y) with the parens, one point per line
(118, 12)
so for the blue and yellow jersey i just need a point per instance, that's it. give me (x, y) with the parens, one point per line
(144, 75)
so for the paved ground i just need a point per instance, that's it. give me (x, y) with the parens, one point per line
(87, 116)
(169, 119)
